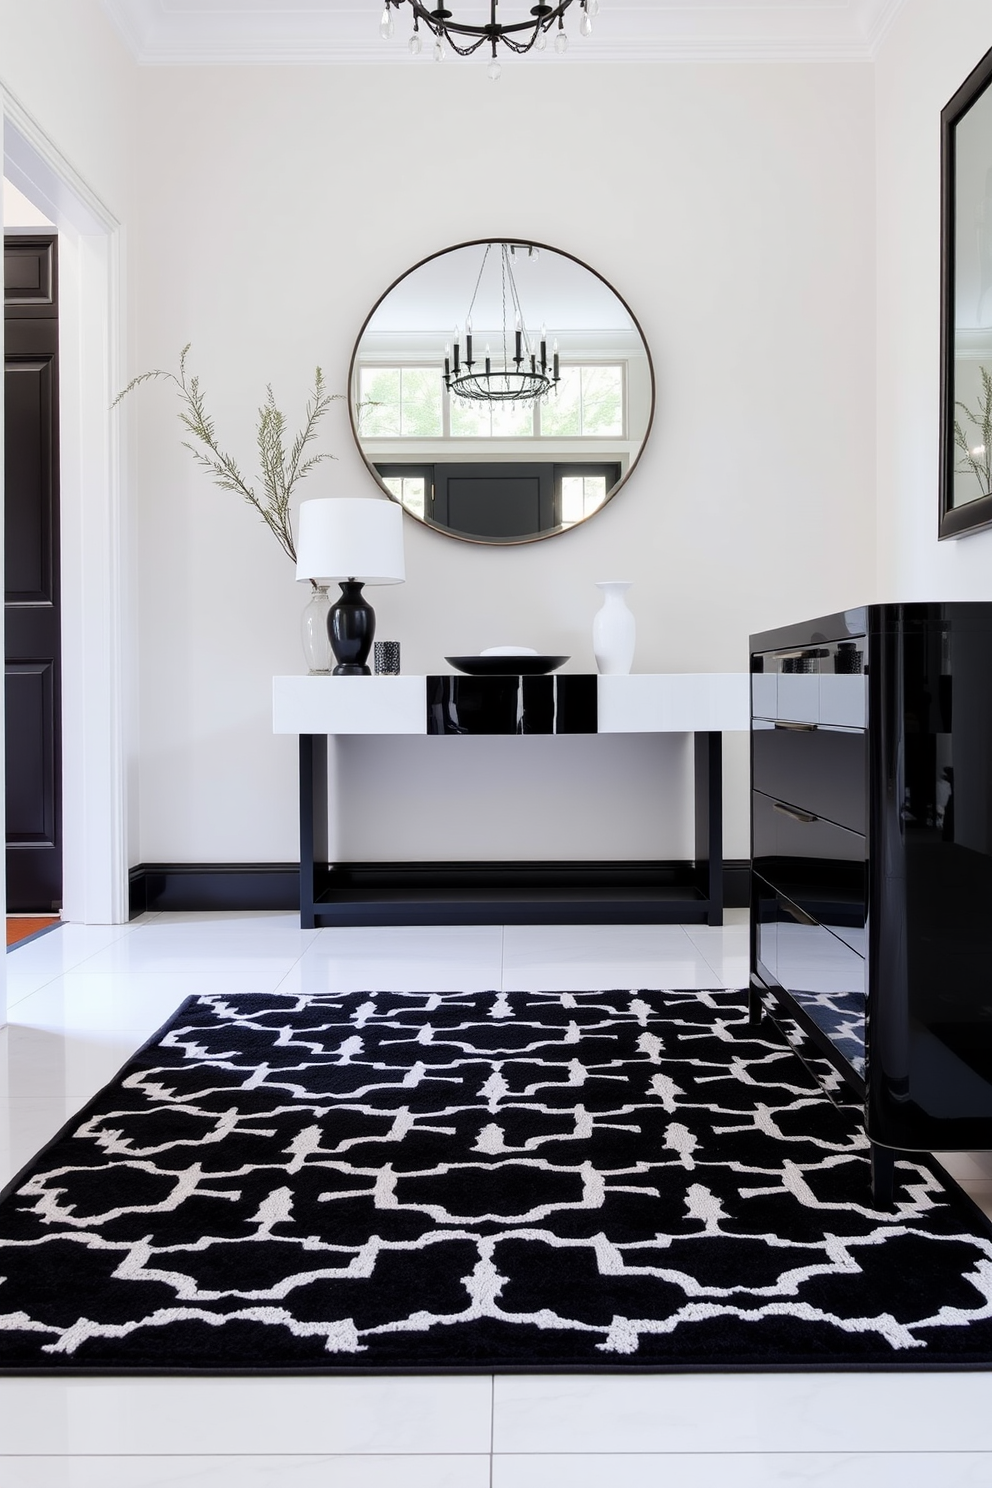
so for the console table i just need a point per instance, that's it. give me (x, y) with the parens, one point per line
(705, 705)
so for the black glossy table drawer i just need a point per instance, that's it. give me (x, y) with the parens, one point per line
(820, 770)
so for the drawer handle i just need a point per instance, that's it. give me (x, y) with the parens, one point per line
(799, 816)
(797, 728)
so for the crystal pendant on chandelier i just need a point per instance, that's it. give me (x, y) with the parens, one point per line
(561, 43)
(413, 45)
(585, 25)
(386, 26)
(493, 71)
(438, 52)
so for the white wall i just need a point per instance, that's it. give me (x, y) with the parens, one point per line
(68, 68)
(731, 206)
(926, 56)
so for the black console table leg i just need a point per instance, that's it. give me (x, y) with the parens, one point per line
(313, 820)
(708, 773)
(883, 1176)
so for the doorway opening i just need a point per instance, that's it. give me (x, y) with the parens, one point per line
(93, 774)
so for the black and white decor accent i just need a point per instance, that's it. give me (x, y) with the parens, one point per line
(476, 1181)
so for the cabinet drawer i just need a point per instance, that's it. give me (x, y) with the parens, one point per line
(818, 865)
(821, 770)
(822, 684)
(823, 974)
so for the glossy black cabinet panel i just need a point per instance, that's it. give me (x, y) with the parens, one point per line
(930, 964)
(924, 777)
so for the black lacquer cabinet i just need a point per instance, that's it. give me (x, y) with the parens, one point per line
(871, 889)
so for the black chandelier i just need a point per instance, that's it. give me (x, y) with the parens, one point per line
(522, 378)
(517, 36)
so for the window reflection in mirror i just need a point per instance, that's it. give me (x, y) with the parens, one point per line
(501, 471)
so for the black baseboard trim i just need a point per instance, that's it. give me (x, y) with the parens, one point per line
(161, 887)
(736, 883)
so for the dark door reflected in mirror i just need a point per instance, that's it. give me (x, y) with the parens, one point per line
(501, 391)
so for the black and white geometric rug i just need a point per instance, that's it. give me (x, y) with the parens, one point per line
(409, 1181)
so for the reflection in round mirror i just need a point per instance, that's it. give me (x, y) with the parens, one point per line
(501, 392)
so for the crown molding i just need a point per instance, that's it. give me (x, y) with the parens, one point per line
(172, 33)
(876, 21)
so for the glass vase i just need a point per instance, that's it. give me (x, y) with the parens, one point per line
(313, 627)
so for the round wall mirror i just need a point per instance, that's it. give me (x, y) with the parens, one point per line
(501, 391)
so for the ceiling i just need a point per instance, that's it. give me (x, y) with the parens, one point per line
(260, 32)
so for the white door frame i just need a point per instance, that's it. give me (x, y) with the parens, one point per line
(94, 713)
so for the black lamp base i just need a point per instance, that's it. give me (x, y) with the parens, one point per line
(351, 627)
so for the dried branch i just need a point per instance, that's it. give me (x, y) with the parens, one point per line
(977, 458)
(279, 474)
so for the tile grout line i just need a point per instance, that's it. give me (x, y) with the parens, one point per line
(66, 970)
(308, 947)
(492, 1427)
(719, 1452)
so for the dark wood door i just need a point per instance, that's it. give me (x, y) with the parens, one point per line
(31, 574)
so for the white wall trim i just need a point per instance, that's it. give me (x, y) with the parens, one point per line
(879, 21)
(93, 572)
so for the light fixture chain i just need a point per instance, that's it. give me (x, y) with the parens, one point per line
(504, 266)
(478, 282)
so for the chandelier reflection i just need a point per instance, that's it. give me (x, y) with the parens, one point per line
(464, 38)
(522, 378)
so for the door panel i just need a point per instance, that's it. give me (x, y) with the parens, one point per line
(31, 575)
(30, 699)
(29, 570)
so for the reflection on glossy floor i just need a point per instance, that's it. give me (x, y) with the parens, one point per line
(20, 927)
(81, 999)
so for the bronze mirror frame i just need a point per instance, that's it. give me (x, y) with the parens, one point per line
(521, 241)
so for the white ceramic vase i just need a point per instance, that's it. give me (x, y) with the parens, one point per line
(613, 630)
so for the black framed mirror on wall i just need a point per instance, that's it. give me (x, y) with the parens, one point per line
(966, 307)
(501, 391)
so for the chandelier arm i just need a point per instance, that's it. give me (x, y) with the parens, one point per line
(461, 28)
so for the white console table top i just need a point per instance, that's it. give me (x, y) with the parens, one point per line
(642, 703)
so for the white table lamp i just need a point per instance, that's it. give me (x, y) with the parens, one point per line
(354, 540)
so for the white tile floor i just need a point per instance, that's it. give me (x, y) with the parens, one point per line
(82, 999)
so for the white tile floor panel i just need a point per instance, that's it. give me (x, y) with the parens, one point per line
(82, 999)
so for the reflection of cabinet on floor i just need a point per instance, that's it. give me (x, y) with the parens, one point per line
(871, 889)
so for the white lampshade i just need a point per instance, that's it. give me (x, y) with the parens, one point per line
(350, 537)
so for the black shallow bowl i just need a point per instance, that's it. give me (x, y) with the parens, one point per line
(506, 666)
